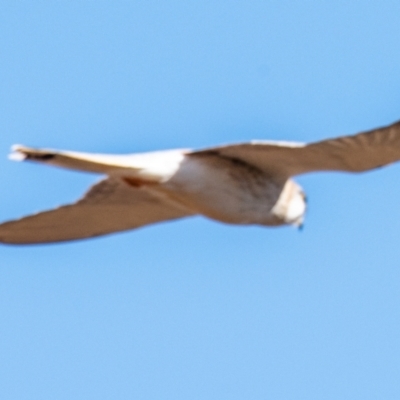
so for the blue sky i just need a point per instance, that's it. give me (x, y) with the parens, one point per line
(196, 309)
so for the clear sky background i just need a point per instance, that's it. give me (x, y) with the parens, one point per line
(196, 309)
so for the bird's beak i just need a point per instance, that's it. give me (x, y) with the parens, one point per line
(299, 224)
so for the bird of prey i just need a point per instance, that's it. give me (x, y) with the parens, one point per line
(247, 183)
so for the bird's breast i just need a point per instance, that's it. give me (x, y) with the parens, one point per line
(226, 190)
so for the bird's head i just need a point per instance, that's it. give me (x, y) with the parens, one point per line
(291, 205)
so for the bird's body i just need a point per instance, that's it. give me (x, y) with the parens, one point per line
(225, 190)
(244, 184)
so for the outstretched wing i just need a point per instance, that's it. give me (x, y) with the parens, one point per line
(357, 153)
(110, 206)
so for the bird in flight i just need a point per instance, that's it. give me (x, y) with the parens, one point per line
(246, 184)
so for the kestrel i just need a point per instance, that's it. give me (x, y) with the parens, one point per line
(245, 184)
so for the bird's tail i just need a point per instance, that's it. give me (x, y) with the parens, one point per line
(96, 163)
